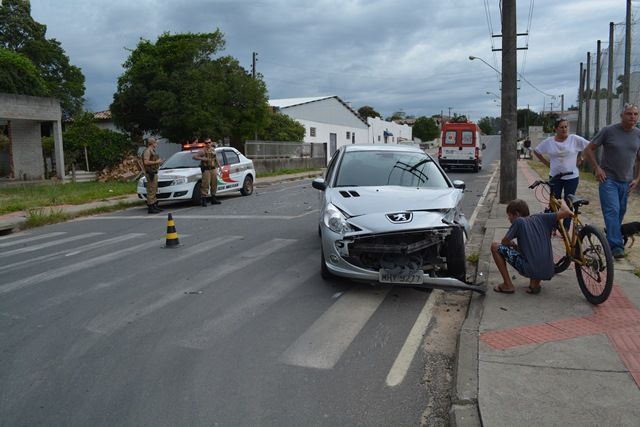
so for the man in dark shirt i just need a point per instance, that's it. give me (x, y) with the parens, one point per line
(532, 256)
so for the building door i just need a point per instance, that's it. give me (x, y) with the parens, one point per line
(333, 143)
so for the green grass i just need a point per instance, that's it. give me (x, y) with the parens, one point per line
(41, 216)
(25, 197)
(285, 172)
(473, 257)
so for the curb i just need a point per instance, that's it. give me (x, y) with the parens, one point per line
(464, 409)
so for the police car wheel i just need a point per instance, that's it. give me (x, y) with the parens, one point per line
(247, 186)
(196, 197)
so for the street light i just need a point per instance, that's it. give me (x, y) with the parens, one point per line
(471, 58)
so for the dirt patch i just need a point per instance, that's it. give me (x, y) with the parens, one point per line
(591, 214)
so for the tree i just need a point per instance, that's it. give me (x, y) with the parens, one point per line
(398, 115)
(426, 128)
(19, 75)
(105, 148)
(367, 111)
(175, 88)
(526, 118)
(283, 128)
(485, 125)
(19, 33)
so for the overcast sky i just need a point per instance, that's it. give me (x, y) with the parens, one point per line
(394, 55)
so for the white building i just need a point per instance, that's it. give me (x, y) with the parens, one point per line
(383, 132)
(325, 119)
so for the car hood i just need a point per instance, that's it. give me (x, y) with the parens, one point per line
(177, 173)
(356, 201)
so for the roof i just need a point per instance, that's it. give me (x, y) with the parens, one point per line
(102, 115)
(292, 102)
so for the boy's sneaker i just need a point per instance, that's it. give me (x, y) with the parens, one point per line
(618, 254)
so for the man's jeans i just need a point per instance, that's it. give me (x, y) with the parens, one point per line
(613, 201)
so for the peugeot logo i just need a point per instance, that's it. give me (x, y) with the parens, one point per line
(400, 217)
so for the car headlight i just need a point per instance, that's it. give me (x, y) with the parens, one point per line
(336, 221)
(178, 181)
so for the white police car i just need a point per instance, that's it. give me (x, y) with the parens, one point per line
(180, 178)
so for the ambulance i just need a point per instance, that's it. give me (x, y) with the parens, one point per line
(460, 146)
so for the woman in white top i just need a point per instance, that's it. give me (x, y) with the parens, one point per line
(562, 150)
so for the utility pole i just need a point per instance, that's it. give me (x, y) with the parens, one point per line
(580, 99)
(509, 123)
(627, 55)
(596, 111)
(254, 59)
(610, 76)
(587, 108)
(562, 104)
(449, 112)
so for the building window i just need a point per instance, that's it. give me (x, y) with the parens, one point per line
(348, 135)
(312, 131)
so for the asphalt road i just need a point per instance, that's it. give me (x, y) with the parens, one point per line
(100, 324)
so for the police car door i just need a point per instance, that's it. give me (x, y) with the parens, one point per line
(231, 173)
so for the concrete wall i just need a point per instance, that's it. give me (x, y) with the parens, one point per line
(28, 162)
(25, 114)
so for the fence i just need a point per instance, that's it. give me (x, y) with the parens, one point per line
(270, 156)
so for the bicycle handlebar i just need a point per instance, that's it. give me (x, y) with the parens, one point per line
(548, 183)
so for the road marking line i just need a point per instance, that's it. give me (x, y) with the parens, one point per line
(116, 319)
(403, 361)
(472, 220)
(235, 317)
(49, 244)
(73, 251)
(31, 239)
(322, 345)
(72, 268)
(208, 217)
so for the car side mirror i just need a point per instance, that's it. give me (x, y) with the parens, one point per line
(459, 184)
(319, 184)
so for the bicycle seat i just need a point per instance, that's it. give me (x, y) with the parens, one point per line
(576, 201)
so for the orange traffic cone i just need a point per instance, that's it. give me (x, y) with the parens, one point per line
(172, 234)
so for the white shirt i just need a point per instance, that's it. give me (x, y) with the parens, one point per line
(563, 155)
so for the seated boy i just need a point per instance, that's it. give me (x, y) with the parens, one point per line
(532, 256)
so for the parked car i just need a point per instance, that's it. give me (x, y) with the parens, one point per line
(180, 178)
(389, 214)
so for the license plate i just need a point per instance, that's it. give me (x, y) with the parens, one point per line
(406, 277)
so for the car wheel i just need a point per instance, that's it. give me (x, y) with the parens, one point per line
(456, 260)
(196, 197)
(247, 186)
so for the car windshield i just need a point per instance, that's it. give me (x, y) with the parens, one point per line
(181, 160)
(376, 168)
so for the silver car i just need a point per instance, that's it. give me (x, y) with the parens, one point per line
(389, 214)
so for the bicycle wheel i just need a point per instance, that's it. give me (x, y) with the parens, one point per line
(595, 277)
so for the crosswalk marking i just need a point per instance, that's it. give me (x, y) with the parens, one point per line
(259, 301)
(49, 244)
(322, 345)
(70, 252)
(31, 239)
(72, 268)
(115, 319)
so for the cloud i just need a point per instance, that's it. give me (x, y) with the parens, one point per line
(410, 55)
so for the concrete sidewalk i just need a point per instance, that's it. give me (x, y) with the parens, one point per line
(551, 358)
(15, 221)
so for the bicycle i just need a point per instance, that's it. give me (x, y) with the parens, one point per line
(586, 246)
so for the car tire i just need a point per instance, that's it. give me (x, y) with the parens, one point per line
(196, 197)
(247, 186)
(456, 259)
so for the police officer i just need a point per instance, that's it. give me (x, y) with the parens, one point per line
(151, 162)
(209, 167)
